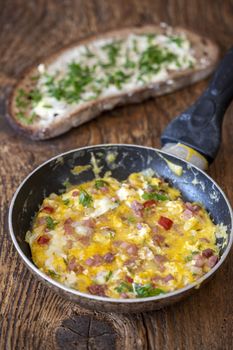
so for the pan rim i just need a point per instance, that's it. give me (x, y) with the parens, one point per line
(77, 293)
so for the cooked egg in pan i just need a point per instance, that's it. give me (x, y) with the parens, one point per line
(130, 239)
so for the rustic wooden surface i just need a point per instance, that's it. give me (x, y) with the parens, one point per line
(32, 316)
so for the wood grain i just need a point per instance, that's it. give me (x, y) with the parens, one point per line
(32, 316)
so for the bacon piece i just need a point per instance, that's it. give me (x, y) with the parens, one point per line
(48, 209)
(192, 207)
(149, 203)
(104, 189)
(89, 222)
(130, 248)
(97, 289)
(43, 240)
(75, 193)
(137, 208)
(85, 240)
(129, 262)
(109, 257)
(158, 239)
(68, 228)
(168, 278)
(160, 258)
(124, 295)
(69, 244)
(96, 260)
(41, 221)
(212, 261)
(187, 214)
(73, 265)
(129, 279)
(199, 260)
(165, 279)
(207, 253)
(166, 223)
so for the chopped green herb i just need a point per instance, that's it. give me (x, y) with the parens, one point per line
(124, 287)
(67, 184)
(85, 199)
(53, 274)
(100, 183)
(50, 223)
(177, 40)
(143, 291)
(112, 50)
(156, 196)
(109, 275)
(66, 201)
(131, 219)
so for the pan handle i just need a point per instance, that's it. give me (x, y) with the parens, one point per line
(199, 127)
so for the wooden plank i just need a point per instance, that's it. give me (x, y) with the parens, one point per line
(31, 315)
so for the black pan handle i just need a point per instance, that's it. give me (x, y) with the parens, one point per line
(199, 127)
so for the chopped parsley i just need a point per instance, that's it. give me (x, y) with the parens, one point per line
(155, 196)
(146, 290)
(124, 287)
(50, 223)
(116, 63)
(100, 184)
(85, 199)
(108, 276)
(66, 201)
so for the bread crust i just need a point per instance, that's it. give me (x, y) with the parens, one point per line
(206, 54)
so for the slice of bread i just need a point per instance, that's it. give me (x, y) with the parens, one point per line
(94, 75)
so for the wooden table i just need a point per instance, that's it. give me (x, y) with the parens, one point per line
(31, 315)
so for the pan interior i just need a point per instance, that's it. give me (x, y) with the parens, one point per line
(121, 160)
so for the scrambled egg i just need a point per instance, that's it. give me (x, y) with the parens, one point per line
(135, 238)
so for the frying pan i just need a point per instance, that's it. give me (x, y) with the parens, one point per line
(194, 136)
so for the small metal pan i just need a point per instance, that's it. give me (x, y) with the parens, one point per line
(194, 135)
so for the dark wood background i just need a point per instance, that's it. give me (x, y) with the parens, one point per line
(32, 316)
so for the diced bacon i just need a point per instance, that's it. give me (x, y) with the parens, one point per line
(158, 239)
(104, 189)
(192, 207)
(168, 278)
(73, 265)
(166, 223)
(149, 203)
(109, 257)
(160, 258)
(68, 228)
(132, 249)
(43, 240)
(75, 193)
(165, 279)
(97, 289)
(129, 262)
(207, 253)
(187, 214)
(96, 260)
(48, 209)
(137, 208)
(129, 279)
(89, 222)
(124, 295)
(212, 261)
(69, 244)
(85, 240)
(41, 221)
(199, 260)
